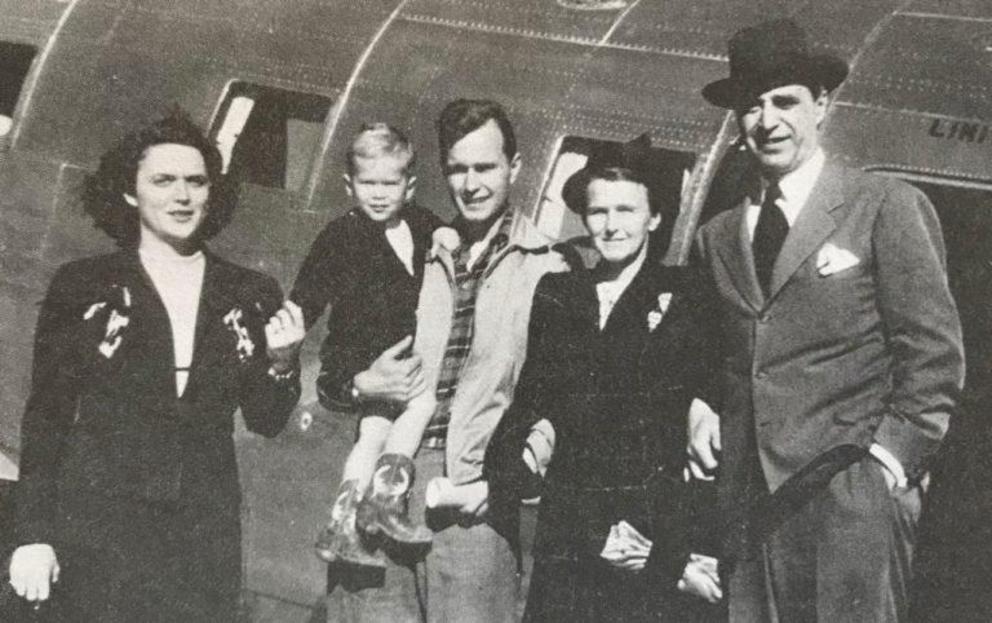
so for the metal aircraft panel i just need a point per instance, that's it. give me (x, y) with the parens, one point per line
(552, 89)
(976, 9)
(926, 65)
(29, 22)
(146, 55)
(845, 28)
(699, 27)
(915, 143)
(543, 18)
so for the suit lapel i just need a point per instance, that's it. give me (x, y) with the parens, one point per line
(581, 299)
(630, 310)
(811, 228)
(734, 247)
(149, 334)
(217, 299)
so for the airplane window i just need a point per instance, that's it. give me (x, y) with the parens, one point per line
(671, 169)
(15, 63)
(269, 136)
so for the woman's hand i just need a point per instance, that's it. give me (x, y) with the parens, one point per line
(626, 548)
(33, 569)
(700, 578)
(284, 335)
(703, 445)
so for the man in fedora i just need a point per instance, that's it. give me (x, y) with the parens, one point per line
(831, 289)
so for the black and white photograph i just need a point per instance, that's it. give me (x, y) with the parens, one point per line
(496, 311)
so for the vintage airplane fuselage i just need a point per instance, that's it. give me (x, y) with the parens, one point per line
(283, 85)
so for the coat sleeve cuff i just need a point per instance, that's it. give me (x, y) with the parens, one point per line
(666, 567)
(890, 463)
(910, 444)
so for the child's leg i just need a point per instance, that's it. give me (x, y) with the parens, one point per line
(338, 540)
(384, 509)
(373, 431)
(406, 432)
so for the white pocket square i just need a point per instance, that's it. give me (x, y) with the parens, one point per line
(833, 259)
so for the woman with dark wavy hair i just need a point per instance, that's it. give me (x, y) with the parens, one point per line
(128, 499)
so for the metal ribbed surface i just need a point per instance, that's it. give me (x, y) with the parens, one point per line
(530, 18)
(967, 9)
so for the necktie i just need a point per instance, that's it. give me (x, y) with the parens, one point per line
(769, 235)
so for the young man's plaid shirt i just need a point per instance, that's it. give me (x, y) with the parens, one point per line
(467, 283)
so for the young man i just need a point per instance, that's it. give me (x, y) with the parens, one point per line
(839, 329)
(472, 335)
(368, 266)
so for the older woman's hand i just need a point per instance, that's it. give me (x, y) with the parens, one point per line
(700, 578)
(703, 445)
(626, 548)
(284, 335)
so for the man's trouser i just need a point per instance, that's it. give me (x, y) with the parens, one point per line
(469, 573)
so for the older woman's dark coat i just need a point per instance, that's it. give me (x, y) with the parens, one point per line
(618, 400)
(136, 489)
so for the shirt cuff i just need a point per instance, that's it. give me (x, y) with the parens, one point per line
(540, 446)
(891, 463)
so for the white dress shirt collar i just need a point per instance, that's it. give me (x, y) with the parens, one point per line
(795, 186)
(609, 292)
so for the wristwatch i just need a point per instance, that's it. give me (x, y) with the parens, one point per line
(282, 376)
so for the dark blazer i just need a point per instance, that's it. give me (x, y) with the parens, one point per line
(870, 353)
(373, 299)
(617, 399)
(103, 421)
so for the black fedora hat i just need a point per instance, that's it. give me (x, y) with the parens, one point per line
(770, 55)
(633, 155)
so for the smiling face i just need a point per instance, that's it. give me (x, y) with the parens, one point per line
(380, 187)
(781, 127)
(480, 174)
(170, 192)
(619, 219)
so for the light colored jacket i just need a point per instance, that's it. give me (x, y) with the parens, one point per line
(499, 344)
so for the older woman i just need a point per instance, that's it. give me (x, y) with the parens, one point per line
(616, 355)
(128, 495)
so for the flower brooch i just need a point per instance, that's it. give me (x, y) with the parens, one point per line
(244, 347)
(656, 314)
(444, 238)
(117, 320)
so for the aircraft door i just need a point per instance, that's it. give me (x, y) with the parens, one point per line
(670, 173)
(954, 553)
(270, 139)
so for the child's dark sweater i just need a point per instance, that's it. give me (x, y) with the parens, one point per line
(352, 267)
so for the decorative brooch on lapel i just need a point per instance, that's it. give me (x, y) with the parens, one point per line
(656, 314)
(444, 238)
(833, 259)
(117, 320)
(244, 347)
